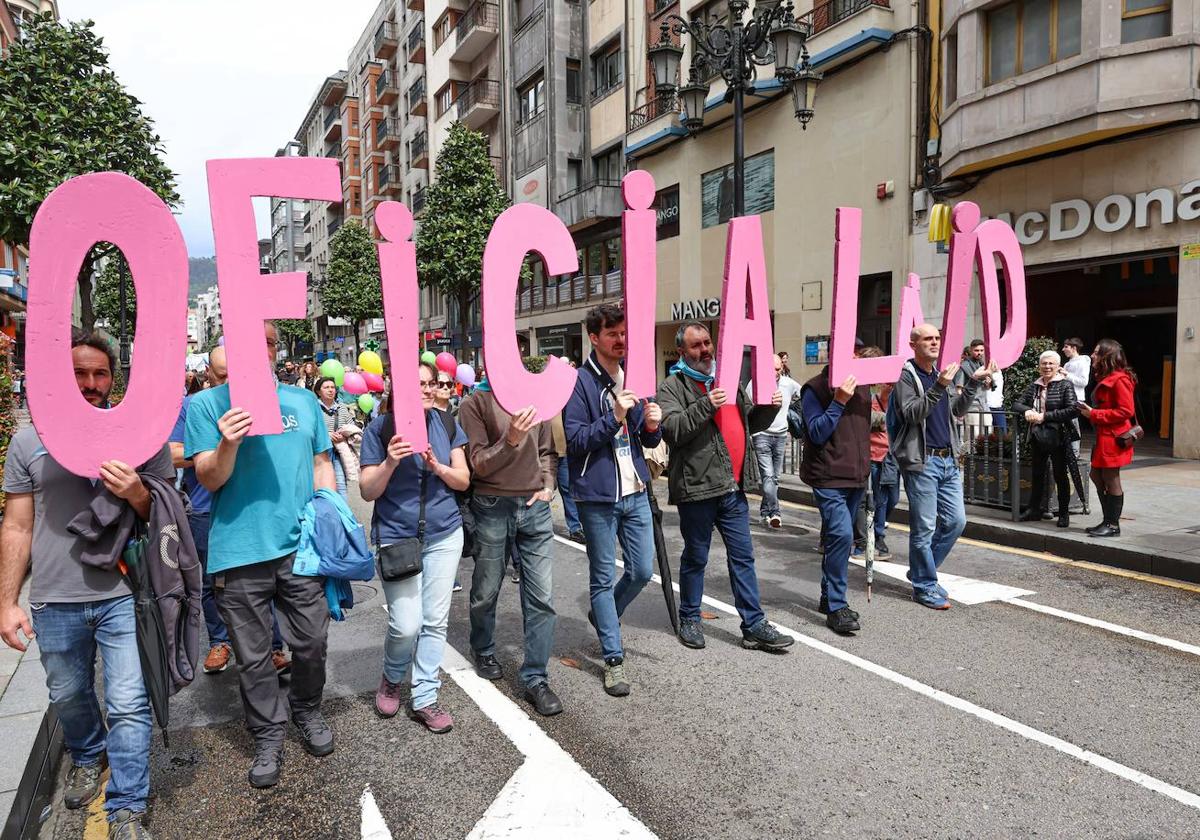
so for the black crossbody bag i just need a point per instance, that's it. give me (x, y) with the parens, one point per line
(402, 559)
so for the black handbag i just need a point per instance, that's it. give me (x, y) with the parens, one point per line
(402, 559)
(1127, 438)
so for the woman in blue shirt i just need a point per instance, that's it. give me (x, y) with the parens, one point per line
(418, 606)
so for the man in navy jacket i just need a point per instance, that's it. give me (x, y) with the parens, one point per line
(606, 427)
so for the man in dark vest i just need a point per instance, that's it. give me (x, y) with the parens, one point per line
(836, 464)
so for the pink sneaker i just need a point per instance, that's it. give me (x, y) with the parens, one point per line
(387, 698)
(434, 718)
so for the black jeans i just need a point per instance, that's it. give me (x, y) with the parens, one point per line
(1057, 455)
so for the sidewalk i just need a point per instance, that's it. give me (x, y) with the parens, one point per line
(1160, 526)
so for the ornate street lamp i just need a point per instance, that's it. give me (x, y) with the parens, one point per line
(772, 35)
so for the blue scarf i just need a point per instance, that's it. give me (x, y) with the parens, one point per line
(708, 379)
(482, 385)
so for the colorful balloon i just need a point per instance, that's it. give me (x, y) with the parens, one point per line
(465, 375)
(333, 369)
(370, 362)
(354, 384)
(366, 402)
(446, 363)
(429, 357)
(374, 382)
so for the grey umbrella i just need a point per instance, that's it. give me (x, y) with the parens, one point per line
(664, 559)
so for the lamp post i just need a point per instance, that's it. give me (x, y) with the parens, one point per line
(772, 35)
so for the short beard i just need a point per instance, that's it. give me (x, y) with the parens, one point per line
(700, 365)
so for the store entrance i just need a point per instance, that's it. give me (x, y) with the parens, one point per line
(1132, 299)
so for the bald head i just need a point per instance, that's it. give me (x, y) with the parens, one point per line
(218, 372)
(926, 343)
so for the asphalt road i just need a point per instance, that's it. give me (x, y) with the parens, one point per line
(991, 719)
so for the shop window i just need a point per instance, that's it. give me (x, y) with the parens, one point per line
(531, 100)
(574, 82)
(1142, 19)
(1027, 34)
(606, 68)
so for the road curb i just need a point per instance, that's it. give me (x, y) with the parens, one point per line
(37, 781)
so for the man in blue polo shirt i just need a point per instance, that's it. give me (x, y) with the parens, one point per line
(260, 485)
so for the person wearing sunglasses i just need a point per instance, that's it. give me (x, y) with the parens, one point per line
(442, 392)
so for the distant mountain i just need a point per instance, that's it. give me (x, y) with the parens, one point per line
(202, 273)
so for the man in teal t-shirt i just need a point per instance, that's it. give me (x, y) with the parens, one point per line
(260, 486)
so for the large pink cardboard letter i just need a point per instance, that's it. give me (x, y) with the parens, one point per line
(639, 264)
(844, 326)
(518, 230)
(398, 273)
(247, 297)
(106, 207)
(963, 219)
(746, 312)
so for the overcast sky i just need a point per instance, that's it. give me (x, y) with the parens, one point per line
(222, 78)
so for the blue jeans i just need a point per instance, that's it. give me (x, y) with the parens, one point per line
(418, 612)
(936, 519)
(605, 522)
(68, 636)
(730, 514)
(564, 491)
(218, 634)
(886, 497)
(769, 450)
(838, 505)
(497, 518)
(999, 420)
(339, 474)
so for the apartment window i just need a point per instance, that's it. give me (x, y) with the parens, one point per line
(714, 14)
(950, 88)
(607, 166)
(574, 82)
(445, 98)
(606, 68)
(443, 26)
(574, 174)
(1028, 34)
(1142, 19)
(531, 100)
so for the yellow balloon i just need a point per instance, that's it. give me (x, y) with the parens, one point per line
(369, 361)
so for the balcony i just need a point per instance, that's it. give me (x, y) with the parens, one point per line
(478, 27)
(307, 220)
(842, 30)
(416, 98)
(416, 43)
(333, 227)
(306, 254)
(831, 12)
(418, 201)
(660, 106)
(333, 123)
(386, 40)
(415, 5)
(418, 151)
(478, 103)
(387, 134)
(390, 180)
(590, 202)
(386, 91)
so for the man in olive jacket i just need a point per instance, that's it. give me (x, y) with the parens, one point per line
(710, 440)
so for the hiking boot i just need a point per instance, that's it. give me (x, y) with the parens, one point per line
(615, 684)
(281, 661)
(127, 825)
(843, 622)
(488, 667)
(314, 732)
(577, 536)
(543, 699)
(434, 718)
(218, 658)
(823, 608)
(690, 634)
(881, 550)
(387, 698)
(268, 762)
(83, 783)
(763, 636)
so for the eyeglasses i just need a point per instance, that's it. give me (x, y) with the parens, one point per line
(442, 383)
(429, 386)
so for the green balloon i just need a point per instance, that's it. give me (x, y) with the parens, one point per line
(366, 402)
(429, 357)
(334, 370)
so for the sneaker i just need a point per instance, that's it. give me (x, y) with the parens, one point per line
(775, 522)
(543, 699)
(282, 662)
(881, 550)
(387, 698)
(763, 636)
(690, 634)
(218, 658)
(83, 783)
(314, 732)
(457, 586)
(268, 761)
(488, 667)
(434, 718)
(615, 684)
(127, 825)
(941, 590)
(577, 536)
(764, 521)
(934, 600)
(843, 622)
(515, 575)
(823, 607)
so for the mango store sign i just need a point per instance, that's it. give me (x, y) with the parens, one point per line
(113, 207)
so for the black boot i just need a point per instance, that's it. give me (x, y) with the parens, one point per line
(1103, 499)
(1030, 514)
(1112, 522)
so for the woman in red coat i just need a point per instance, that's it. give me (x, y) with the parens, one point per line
(1111, 416)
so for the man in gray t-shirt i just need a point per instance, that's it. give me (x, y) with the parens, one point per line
(77, 610)
(769, 447)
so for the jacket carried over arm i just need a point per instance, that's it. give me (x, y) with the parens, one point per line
(497, 468)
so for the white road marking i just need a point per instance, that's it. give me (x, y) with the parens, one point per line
(965, 590)
(1183, 647)
(1145, 780)
(373, 826)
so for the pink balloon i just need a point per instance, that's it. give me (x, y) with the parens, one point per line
(447, 363)
(374, 382)
(354, 384)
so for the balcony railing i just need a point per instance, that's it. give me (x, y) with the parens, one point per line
(418, 201)
(475, 29)
(387, 134)
(386, 40)
(824, 15)
(481, 92)
(333, 227)
(386, 91)
(332, 113)
(416, 43)
(660, 106)
(307, 219)
(418, 149)
(388, 175)
(416, 97)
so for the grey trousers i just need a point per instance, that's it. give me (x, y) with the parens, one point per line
(244, 596)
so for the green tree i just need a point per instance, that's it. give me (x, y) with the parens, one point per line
(64, 114)
(463, 202)
(107, 296)
(293, 331)
(212, 342)
(351, 288)
(1024, 370)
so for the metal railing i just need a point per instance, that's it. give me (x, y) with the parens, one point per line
(416, 92)
(478, 92)
(588, 185)
(385, 129)
(385, 32)
(418, 146)
(382, 82)
(824, 15)
(418, 201)
(332, 114)
(416, 37)
(479, 15)
(657, 107)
